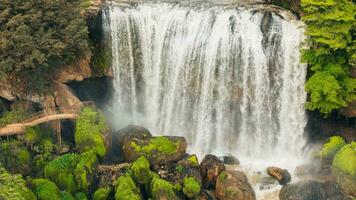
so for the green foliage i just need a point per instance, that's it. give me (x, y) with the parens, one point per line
(32, 135)
(160, 186)
(330, 26)
(37, 38)
(101, 60)
(60, 171)
(141, 170)
(222, 176)
(13, 187)
(191, 187)
(126, 189)
(85, 169)
(66, 196)
(80, 196)
(89, 127)
(179, 169)
(13, 116)
(15, 157)
(193, 160)
(46, 189)
(43, 153)
(332, 147)
(102, 194)
(345, 159)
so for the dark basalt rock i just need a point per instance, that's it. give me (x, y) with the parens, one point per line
(230, 160)
(311, 190)
(210, 168)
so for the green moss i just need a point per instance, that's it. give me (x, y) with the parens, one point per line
(60, 171)
(332, 147)
(177, 187)
(66, 196)
(222, 176)
(15, 157)
(89, 127)
(126, 189)
(141, 170)
(345, 159)
(230, 192)
(46, 189)
(13, 187)
(81, 196)
(156, 146)
(102, 194)
(179, 169)
(85, 169)
(193, 160)
(191, 187)
(161, 187)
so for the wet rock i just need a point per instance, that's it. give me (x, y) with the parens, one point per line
(229, 159)
(281, 175)
(311, 190)
(346, 182)
(234, 185)
(158, 150)
(266, 23)
(210, 168)
(267, 182)
(206, 195)
(106, 175)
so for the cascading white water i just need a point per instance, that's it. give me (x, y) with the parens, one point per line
(228, 79)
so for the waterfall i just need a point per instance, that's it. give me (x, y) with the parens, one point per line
(228, 79)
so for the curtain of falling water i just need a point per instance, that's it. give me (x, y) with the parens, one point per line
(227, 79)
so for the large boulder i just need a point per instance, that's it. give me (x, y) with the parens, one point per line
(106, 175)
(210, 168)
(311, 190)
(234, 185)
(158, 150)
(281, 175)
(229, 159)
(161, 189)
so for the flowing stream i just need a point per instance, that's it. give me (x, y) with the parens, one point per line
(227, 78)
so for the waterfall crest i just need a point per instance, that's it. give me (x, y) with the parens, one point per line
(227, 79)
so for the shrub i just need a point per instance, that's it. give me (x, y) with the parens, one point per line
(126, 189)
(66, 196)
(102, 194)
(60, 171)
(331, 53)
(191, 187)
(345, 159)
(141, 170)
(43, 153)
(15, 157)
(46, 189)
(332, 147)
(13, 187)
(80, 196)
(40, 37)
(89, 127)
(85, 169)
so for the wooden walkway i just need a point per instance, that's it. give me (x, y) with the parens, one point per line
(44, 116)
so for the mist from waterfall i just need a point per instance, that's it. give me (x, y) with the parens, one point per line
(227, 79)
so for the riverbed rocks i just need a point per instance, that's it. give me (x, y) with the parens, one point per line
(233, 186)
(281, 175)
(346, 182)
(210, 168)
(312, 190)
(229, 159)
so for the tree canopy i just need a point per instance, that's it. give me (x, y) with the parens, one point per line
(331, 53)
(37, 37)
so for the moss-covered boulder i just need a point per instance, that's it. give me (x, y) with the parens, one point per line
(161, 189)
(13, 187)
(331, 147)
(234, 185)
(102, 193)
(210, 168)
(141, 170)
(72, 172)
(191, 187)
(344, 168)
(66, 196)
(158, 150)
(88, 131)
(126, 189)
(46, 189)
(106, 175)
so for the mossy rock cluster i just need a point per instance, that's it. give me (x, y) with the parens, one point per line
(72, 172)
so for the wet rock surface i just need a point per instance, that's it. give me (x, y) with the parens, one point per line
(281, 175)
(210, 168)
